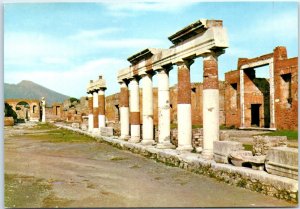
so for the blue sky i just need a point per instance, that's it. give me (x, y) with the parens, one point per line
(64, 45)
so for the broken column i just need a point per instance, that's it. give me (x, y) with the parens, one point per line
(134, 111)
(184, 109)
(124, 110)
(210, 104)
(163, 109)
(147, 110)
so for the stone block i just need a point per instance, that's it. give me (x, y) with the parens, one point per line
(283, 161)
(75, 125)
(222, 149)
(84, 127)
(237, 158)
(107, 131)
(9, 121)
(263, 143)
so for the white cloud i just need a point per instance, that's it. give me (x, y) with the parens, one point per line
(92, 34)
(123, 8)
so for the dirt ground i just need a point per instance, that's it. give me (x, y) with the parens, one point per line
(51, 167)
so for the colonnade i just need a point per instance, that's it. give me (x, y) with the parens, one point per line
(96, 105)
(130, 92)
(203, 38)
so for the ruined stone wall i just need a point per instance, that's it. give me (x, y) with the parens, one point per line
(112, 105)
(232, 99)
(33, 111)
(286, 90)
(256, 91)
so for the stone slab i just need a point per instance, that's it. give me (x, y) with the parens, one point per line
(261, 144)
(222, 149)
(106, 131)
(283, 161)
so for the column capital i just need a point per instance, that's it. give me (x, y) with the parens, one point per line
(212, 55)
(135, 78)
(188, 62)
(149, 74)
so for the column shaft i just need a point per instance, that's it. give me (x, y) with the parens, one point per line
(90, 116)
(164, 119)
(101, 106)
(147, 110)
(134, 111)
(184, 107)
(124, 111)
(210, 104)
(95, 111)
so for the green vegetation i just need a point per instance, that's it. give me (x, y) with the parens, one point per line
(55, 135)
(248, 147)
(197, 126)
(72, 99)
(23, 191)
(173, 126)
(291, 135)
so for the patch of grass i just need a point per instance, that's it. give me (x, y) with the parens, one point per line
(197, 126)
(173, 126)
(24, 191)
(53, 201)
(44, 126)
(248, 147)
(135, 166)
(291, 135)
(117, 158)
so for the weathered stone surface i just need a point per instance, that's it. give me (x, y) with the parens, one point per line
(9, 121)
(106, 131)
(283, 161)
(237, 158)
(263, 143)
(222, 149)
(75, 125)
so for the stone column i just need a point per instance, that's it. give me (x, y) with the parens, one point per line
(90, 116)
(147, 110)
(95, 112)
(164, 137)
(184, 108)
(124, 111)
(43, 110)
(210, 104)
(134, 111)
(101, 106)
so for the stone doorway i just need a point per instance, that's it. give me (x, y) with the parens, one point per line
(255, 116)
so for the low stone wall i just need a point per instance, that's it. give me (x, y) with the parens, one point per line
(255, 180)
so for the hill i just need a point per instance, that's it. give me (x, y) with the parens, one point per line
(30, 90)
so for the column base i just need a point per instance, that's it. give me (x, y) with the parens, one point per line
(96, 131)
(125, 138)
(134, 139)
(185, 148)
(207, 154)
(166, 145)
(147, 142)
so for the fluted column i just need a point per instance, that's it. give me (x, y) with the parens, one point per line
(124, 111)
(90, 116)
(164, 138)
(210, 104)
(134, 107)
(101, 107)
(147, 110)
(184, 106)
(95, 112)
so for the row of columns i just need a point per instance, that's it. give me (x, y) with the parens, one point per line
(96, 107)
(130, 110)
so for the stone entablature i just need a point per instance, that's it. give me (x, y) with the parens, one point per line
(197, 39)
(96, 85)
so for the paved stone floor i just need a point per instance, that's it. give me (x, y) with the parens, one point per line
(42, 170)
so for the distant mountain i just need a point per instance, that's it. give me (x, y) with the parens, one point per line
(30, 90)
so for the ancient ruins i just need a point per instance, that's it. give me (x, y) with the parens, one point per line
(139, 118)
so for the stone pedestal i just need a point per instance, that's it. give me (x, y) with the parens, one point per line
(147, 110)
(184, 106)
(210, 105)
(134, 111)
(164, 141)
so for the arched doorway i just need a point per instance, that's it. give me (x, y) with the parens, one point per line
(23, 111)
